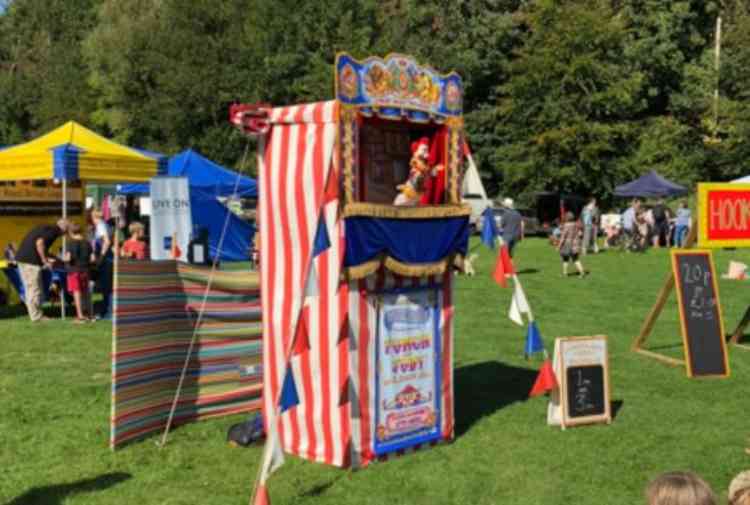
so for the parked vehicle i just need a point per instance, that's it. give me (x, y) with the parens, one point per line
(530, 222)
(551, 204)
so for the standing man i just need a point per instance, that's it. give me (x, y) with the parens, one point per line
(628, 217)
(32, 256)
(105, 261)
(512, 224)
(661, 223)
(682, 225)
(590, 217)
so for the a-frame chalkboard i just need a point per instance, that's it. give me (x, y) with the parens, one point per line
(700, 313)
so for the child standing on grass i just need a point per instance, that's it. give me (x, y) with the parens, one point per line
(79, 256)
(135, 247)
(679, 488)
(570, 244)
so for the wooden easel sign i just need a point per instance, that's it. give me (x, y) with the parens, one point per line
(581, 365)
(700, 313)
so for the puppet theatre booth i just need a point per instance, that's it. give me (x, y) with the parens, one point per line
(357, 291)
(44, 179)
(208, 181)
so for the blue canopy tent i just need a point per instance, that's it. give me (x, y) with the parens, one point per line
(207, 182)
(210, 214)
(204, 175)
(650, 185)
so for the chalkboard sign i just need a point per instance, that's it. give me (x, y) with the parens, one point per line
(700, 313)
(585, 386)
(581, 365)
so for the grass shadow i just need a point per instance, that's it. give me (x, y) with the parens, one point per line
(319, 489)
(615, 407)
(19, 310)
(528, 271)
(482, 389)
(665, 347)
(59, 493)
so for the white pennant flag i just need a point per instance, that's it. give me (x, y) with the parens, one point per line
(519, 305)
(311, 285)
(273, 455)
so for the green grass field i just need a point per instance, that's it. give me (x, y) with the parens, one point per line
(55, 387)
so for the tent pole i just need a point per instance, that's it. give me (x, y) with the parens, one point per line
(64, 241)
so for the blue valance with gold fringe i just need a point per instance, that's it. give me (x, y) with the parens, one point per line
(411, 247)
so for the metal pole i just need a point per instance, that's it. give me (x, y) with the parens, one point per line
(717, 55)
(64, 241)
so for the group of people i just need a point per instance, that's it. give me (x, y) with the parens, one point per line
(687, 488)
(657, 225)
(638, 227)
(87, 259)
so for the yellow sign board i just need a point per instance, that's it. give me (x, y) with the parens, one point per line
(723, 215)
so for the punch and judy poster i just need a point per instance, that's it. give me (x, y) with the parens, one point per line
(408, 371)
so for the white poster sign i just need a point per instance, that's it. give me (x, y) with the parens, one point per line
(408, 380)
(171, 218)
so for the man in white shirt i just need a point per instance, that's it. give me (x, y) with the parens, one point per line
(628, 217)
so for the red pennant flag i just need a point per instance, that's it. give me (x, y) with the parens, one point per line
(302, 335)
(332, 187)
(545, 381)
(261, 496)
(344, 393)
(503, 267)
(176, 252)
(507, 262)
(343, 330)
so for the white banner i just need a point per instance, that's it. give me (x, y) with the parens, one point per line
(170, 217)
(408, 371)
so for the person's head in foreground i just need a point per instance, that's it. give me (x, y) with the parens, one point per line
(568, 217)
(508, 203)
(136, 230)
(74, 230)
(739, 489)
(63, 224)
(679, 488)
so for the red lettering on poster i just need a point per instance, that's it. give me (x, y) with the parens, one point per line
(728, 215)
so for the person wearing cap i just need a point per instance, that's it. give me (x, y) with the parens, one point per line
(512, 225)
(739, 489)
(32, 257)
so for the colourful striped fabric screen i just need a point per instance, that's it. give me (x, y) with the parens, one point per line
(156, 309)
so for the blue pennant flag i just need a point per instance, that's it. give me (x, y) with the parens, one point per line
(489, 228)
(289, 397)
(322, 241)
(533, 340)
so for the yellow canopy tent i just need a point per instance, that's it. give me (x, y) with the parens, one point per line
(69, 153)
(73, 152)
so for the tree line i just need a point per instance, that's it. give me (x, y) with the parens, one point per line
(568, 95)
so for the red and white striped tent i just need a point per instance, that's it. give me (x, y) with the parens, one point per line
(320, 315)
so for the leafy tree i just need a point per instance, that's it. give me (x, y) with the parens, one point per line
(567, 100)
(43, 80)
